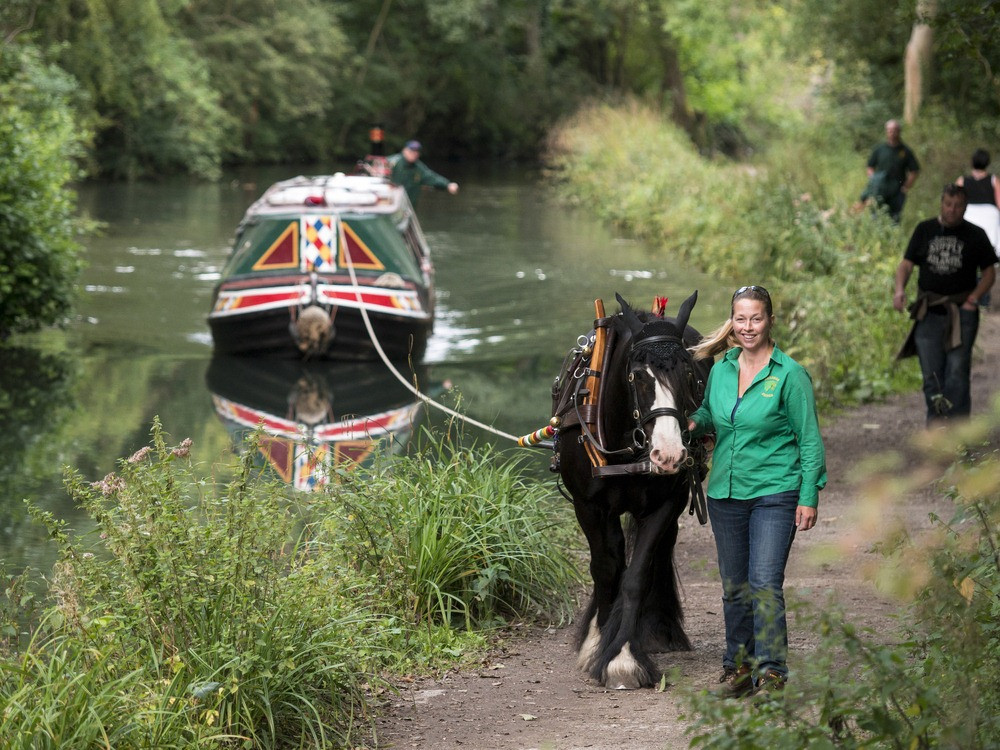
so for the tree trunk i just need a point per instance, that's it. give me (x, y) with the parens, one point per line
(359, 81)
(917, 60)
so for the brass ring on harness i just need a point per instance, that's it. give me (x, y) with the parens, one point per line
(637, 442)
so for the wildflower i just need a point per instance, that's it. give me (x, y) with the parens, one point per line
(184, 449)
(109, 485)
(139, 455)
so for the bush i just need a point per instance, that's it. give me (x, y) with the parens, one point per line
(241, 613)
(208, 605)
(39, 257)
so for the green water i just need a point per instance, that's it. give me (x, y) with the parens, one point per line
(517, 275)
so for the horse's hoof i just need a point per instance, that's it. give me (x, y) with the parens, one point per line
(624, 672)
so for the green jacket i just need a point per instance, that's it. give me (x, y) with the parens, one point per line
(413, 176)
(770, 442)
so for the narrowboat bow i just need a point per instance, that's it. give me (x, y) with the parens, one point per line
(309, 255)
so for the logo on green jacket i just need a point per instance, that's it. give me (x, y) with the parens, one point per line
(770, 385)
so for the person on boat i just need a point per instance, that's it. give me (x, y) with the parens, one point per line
(768, 468)
(949, 251)
(375, 163)
(407, 171)
(892, 170)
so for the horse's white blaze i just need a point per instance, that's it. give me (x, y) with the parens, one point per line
(666, 449)
(623, 672)
(588, 649)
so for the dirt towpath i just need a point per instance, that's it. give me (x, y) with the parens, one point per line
(530, 694)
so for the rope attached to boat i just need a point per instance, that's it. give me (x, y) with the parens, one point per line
(409, 386)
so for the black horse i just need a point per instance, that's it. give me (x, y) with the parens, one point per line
(649, 386)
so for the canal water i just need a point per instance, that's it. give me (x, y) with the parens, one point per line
(517, 274)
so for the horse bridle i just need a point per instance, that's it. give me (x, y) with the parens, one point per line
(696, 451)
(639, 439)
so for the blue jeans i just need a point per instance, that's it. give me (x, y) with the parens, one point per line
(946, 373)
(753, 538)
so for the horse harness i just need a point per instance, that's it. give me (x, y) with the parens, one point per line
(575, 402)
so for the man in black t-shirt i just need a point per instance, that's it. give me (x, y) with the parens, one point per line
(950, 252)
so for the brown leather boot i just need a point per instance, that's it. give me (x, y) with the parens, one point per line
(770, 683)
(736, 682)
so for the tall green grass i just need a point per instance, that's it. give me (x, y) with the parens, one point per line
(239, 614)
(457, 536)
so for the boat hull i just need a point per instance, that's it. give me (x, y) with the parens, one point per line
(269, 333)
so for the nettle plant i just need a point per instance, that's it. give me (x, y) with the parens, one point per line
(214, 601)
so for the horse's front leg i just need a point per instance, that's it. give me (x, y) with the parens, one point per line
(607, 564)
(661, 616)
(626, 663)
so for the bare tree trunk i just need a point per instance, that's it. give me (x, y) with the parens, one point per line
(917, 60)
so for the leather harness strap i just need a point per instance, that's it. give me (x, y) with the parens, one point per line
(591, 422)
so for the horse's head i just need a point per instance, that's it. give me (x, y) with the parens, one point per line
(663, 384)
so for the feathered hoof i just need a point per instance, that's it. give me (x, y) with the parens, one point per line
(625, 673)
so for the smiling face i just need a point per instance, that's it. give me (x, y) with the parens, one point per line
(751, 324)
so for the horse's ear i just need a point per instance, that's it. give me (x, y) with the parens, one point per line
(631, 319)
(685, 312)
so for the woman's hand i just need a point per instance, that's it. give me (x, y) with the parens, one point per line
(805, 517)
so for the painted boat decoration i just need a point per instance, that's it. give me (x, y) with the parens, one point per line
(317, 418)
(312, 252)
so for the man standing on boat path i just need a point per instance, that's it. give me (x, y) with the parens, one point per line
(892, 170)
(412, 175)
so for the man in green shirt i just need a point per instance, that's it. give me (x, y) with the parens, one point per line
(892, 170)
(407, 171)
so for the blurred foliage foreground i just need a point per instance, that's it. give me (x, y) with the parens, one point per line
(236, 614)
(930, 682)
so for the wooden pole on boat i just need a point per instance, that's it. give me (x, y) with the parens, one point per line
(593, 382)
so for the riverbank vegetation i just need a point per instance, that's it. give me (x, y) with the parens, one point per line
(238, 613)
(756, 222)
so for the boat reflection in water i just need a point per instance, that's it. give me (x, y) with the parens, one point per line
(316, 417)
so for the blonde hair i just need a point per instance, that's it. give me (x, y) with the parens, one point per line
(721, 339)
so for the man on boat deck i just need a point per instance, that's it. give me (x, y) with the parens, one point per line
(412, 174)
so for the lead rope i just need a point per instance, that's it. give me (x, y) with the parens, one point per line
(409, 386)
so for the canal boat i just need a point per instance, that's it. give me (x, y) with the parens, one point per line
(313, 252)
(315, 418)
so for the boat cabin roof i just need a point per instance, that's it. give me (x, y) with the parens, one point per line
(324, 194)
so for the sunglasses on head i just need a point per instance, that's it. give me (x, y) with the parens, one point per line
(751, 288)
